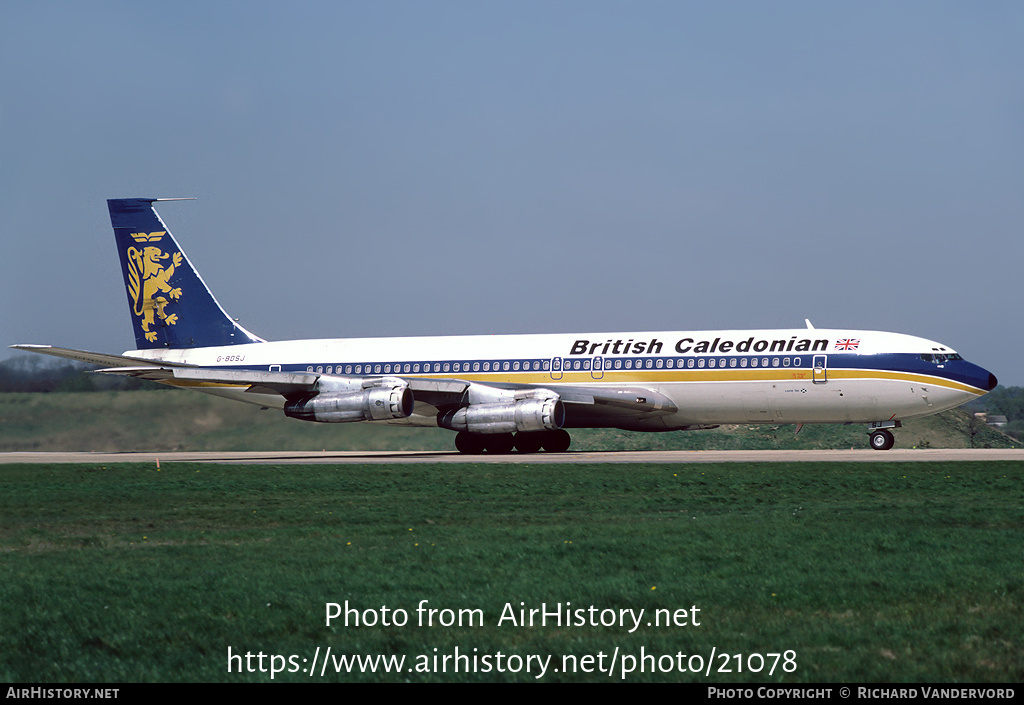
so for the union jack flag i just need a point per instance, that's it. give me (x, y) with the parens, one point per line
(847, 344)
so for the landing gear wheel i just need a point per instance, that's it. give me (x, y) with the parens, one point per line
(556, 441)
(470, 443)
(882, 440)
(528, 442)
(499, 443)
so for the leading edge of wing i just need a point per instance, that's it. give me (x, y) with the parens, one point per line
(285, 384)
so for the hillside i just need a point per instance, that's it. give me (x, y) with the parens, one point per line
(164, 420)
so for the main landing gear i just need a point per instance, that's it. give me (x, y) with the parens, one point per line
(879, 435)
(502, 443)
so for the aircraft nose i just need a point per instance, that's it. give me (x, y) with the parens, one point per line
(983, 379)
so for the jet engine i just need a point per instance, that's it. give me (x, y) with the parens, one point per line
(506, 411)
(389, 400)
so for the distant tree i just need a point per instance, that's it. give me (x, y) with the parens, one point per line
(32, 373)
(1008, 401)
(35, 373)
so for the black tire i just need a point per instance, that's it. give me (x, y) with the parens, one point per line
(556, 441)
(499, 443)
(528, 442)
(470, 443)
(882, 440)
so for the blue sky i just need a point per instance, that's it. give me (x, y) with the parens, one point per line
(420, 168)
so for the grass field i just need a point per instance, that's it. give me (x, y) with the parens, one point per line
(878, 572)
(178, 420)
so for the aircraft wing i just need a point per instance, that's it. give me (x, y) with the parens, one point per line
(636, 400)
(285, 384)
(609, 404)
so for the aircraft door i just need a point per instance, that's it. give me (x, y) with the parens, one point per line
(597, 369)
(556, 368)
(820, 373)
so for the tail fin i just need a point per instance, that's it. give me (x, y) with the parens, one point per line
(170, 304)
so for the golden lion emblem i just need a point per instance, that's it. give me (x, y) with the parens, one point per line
(148, 283)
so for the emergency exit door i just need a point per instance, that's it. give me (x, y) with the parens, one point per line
(820, 373)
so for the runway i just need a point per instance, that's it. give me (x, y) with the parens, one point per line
(451, 457)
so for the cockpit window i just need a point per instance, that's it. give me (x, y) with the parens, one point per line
(938, 358)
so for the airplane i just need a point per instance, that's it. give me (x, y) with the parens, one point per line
(501, 393)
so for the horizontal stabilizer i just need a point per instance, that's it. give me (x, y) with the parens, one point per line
(93, 358)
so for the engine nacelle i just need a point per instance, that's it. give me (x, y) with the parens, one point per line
(374, 404)
(510, 417)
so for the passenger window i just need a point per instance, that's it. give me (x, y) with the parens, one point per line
(732, 362)
(700, 362)
(476, 366)
(775, 362)
(785, 362)
(743, 362)
(504, 366)
(689, 363)
(659, 363)
(711, 362)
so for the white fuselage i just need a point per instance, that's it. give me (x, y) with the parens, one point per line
(712, 377)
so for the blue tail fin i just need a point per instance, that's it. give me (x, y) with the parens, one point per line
(171, 306)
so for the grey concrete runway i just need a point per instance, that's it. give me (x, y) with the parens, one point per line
(394, 457)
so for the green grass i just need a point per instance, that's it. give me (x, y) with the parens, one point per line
(869, 573)
(172, 420)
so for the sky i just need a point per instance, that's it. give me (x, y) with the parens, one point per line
(436, 168)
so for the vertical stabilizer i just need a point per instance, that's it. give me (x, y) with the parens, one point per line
(171, 306)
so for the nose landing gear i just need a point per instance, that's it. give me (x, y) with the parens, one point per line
(882, 440)
(879, 435)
